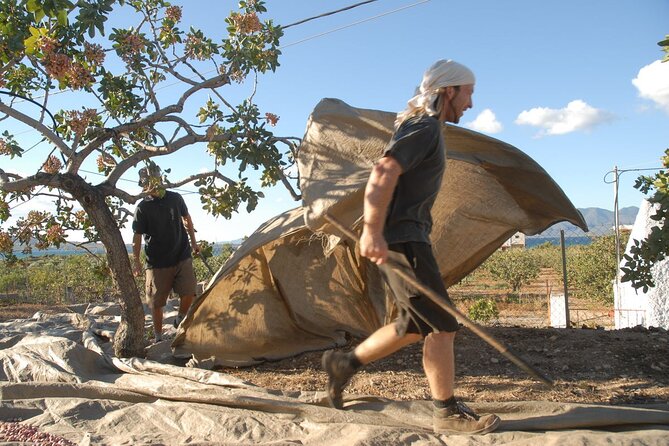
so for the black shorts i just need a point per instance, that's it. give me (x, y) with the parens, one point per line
(418, 313)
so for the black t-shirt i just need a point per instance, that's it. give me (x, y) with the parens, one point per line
(418, 147)
(165, 237)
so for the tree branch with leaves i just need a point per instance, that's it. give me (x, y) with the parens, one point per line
(56, 52)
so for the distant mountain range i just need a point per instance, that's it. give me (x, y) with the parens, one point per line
(600, 221)
(70, 249)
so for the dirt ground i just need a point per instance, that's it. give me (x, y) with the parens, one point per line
(621, 367)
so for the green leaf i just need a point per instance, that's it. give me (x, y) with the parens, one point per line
(32, 6)
(39, 15)
(62, 17)
(31, 45)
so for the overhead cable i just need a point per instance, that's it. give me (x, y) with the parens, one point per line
(355, 23)
(327, 14)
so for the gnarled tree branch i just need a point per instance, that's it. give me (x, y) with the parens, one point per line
(37, 125)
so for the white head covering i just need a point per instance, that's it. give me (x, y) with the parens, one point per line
(443, 73)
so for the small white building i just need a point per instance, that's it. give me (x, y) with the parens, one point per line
(517, 240)
(634, 307)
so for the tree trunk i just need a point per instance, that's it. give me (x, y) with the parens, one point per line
(129, 339)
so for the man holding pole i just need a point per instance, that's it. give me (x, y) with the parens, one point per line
(399, 195)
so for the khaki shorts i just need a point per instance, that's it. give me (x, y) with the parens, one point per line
(160, 281)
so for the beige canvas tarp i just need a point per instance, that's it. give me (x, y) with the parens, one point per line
(294, 286)
(278, 295)
(56, 374)
(490, 189)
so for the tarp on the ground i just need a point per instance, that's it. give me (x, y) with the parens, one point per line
(56, 374)
(294, 286)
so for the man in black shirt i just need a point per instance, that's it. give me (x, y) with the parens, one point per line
(399, 195)
(163, 219)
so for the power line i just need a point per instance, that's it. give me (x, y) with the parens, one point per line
(328, 13)
(355, 23)
(183, 191)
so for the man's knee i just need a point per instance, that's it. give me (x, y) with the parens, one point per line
(440, 339)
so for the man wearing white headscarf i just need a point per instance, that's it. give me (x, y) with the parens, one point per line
(399, 195)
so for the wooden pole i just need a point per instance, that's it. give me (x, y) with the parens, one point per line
(564, 280)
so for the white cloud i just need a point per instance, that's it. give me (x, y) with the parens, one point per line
(485, 122)
(577, 115)
(652, 82)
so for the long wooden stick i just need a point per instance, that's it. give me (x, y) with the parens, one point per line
(439, 300)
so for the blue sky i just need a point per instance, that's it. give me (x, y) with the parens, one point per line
(576, 85)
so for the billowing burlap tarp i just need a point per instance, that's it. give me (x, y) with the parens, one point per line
(294, 286)
(278, 295)
(490, 190)
(56, 374)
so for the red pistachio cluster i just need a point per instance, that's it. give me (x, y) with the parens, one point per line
(60, 66)
(272, 119)
(80, 120)
(4, 147)
(52, 165)
(94, 53)
(173, 13)
(80, 216)
(248, 23)
(103, 161)
(131, 46)
(6, 244)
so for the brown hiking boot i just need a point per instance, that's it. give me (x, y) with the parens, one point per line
(460, 419)
(339, 370)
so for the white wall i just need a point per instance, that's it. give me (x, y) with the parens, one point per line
(634, 307)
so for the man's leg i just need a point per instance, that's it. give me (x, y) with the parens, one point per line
(341, 366)
(439, 364)
(185, 285)
(158, 285)
(450, 415)
(184, 304)
(382, 343)
(157, 315)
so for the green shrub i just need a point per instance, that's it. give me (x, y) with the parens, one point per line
(592, 268)
(483, 310)
(202, 273)
(86, 277)
(547, 255)
(516, 267)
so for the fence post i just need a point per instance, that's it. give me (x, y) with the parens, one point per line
(69, 294)
(564, 279)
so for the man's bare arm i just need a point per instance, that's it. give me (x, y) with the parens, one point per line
(188, 224)
(136, 253)
(378, 194)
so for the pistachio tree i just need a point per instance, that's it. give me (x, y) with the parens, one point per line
(97, 95)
